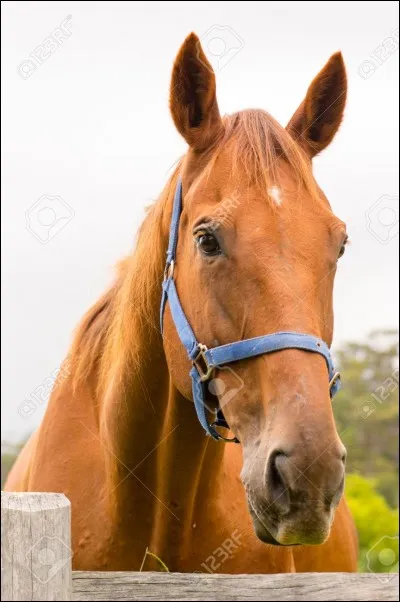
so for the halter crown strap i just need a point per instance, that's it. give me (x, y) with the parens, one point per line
(174, 229)
(206, 361)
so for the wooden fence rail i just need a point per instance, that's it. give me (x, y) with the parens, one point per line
(36, 565)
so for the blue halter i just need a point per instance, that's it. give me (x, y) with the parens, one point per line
(205, 361)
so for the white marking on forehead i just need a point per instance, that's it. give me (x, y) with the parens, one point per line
(276, 194)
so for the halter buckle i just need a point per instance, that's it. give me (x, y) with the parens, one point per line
(333, 380)
(169, 270)
(202, 366)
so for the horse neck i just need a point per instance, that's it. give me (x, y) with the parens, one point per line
(158, 458)
(156, 451)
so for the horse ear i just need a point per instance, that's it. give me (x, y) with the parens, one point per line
(193, 101)
(318, 118)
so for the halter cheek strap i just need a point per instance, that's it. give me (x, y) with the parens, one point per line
(205, 361)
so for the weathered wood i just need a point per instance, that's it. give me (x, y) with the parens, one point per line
(35, 546)
(177, 586)
(36, 565)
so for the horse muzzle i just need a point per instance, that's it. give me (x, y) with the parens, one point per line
(289, 502)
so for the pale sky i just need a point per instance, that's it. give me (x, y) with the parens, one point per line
(88, 132)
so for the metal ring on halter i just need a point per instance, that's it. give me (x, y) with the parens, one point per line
(169, 269)
(227, 439)
(333, 380)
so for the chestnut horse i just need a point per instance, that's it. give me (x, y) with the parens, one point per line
(257, 252)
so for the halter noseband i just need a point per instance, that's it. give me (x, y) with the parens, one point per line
(204, 360)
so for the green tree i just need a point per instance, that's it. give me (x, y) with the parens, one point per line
(377, 525)
(9, 453)
(366, 410)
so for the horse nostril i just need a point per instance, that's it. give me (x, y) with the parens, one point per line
(277, 487)
(332, 499)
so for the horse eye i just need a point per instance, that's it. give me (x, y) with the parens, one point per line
(208, 244)
(343, 247)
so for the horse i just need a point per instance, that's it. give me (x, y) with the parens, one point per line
(256, 254)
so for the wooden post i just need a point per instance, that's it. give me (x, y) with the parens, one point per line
(35, 546)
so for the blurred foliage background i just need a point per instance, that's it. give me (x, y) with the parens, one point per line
(366, 412)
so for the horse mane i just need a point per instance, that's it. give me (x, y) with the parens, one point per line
(110, 336)
(107, 336)
(257, 144)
